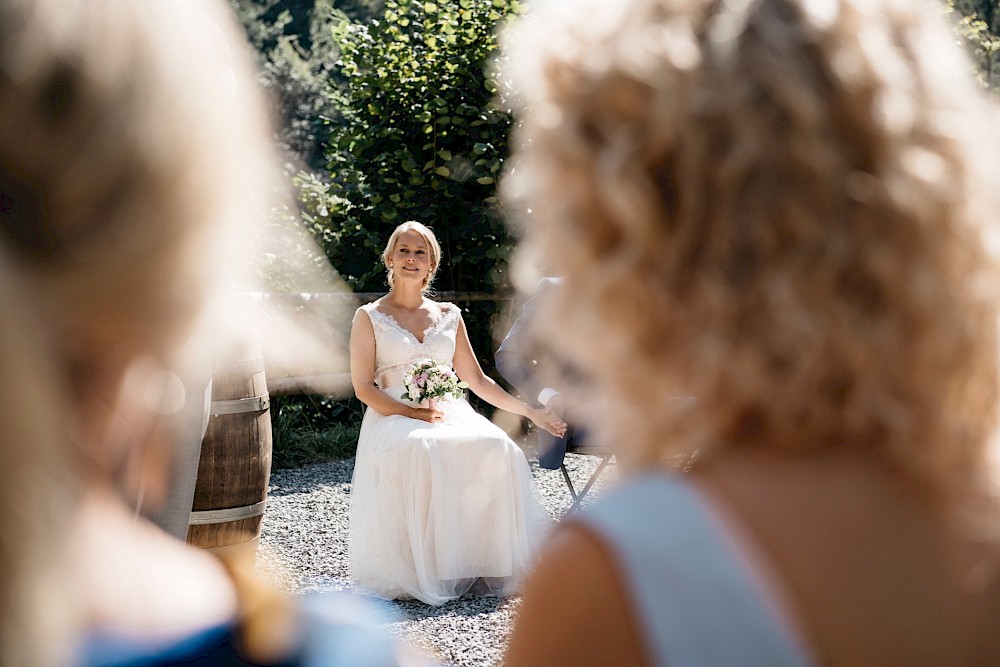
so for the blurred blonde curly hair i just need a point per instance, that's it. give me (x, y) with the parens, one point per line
(783, 208)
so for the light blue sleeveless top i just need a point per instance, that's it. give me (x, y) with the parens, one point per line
(697, 602)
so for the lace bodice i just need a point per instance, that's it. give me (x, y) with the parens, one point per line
(396, 349)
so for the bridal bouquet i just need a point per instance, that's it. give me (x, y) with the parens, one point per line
(430, 381)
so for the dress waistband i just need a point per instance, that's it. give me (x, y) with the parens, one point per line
(390, 378)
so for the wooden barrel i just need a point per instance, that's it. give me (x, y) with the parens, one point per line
(235, 463)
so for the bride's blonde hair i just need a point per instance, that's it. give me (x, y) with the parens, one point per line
(781, 208)
(132, 150)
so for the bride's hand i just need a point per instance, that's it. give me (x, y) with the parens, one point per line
(427, 415)
(548, 421)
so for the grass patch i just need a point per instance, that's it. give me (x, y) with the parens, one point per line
(304, 447)
(314, 429)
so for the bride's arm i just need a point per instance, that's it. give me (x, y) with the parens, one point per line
(468, 369)
(363, 375)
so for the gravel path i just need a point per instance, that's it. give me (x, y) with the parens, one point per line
(304, 548)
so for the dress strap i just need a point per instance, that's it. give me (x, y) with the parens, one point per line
(377, 317)
(698, 602)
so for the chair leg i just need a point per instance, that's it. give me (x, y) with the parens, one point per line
(605, 458)
(569, 484)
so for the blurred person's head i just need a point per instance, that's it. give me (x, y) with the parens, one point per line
(429, 239)
(779, 207)
(125, 168)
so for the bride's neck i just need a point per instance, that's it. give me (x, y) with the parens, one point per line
(402, 296)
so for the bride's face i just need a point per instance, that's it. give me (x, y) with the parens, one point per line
(411, 259)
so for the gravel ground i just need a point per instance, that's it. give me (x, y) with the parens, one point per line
(304, 548)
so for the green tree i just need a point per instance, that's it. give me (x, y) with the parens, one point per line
(420, 137)
(983, 10)
(294, 43)
(976, 22)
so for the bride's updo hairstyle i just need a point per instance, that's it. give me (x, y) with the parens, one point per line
(783, 208)
(433, 250)
(133, 147)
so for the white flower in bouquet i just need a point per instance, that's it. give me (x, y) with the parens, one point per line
(430, 380)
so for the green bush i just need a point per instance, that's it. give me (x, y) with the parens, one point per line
(311, 429)
(977, 24)
(295, 46)
(420, 137)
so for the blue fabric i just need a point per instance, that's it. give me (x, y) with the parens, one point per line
(695, 603)
(337, 630)
(213, 646)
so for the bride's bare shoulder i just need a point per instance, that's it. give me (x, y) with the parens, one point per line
(364, 312)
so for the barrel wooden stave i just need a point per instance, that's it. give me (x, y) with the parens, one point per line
(235, 464)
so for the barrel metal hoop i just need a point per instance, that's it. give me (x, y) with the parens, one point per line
(205, 517)
(237, 405)
(235, 548)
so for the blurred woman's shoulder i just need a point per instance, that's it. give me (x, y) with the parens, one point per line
(269, 629)
(897, 552)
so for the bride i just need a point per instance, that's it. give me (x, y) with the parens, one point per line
(442, 499)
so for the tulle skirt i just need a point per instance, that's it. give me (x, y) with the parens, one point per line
(440, 509)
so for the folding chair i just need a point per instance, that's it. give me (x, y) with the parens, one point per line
(680, 462)
(603, 453)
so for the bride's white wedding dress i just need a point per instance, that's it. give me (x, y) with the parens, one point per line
(437, 509)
